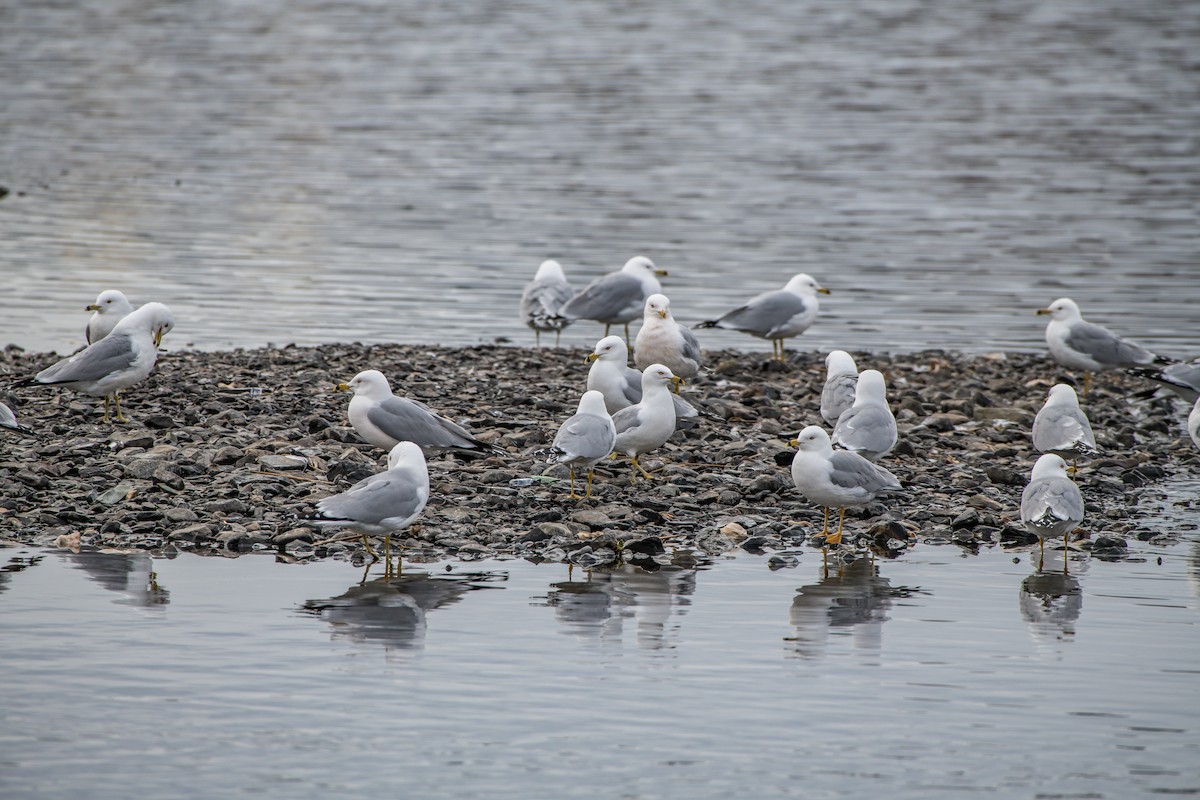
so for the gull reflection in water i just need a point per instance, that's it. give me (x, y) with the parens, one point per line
(603, 601)
(1052, 599)
(848, 600)
(130, 574)
(392, 610)
(16, 564)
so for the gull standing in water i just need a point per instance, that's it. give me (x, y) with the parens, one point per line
(775, 315)
(1061, 427)
(618, 297)
(647, 425)
(836, 478)
(111, 307)
(620, 383)
(585, 439)
(662, 340)
(841, 379)
(119, 360)
(543, 299)
(868, 426)
(1051, 505)
(1078, 344)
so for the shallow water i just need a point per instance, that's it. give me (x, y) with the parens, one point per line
(303, 171)
(938, 674)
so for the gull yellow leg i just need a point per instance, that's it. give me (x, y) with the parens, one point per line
(107, 401)
(638, 467)
(589, 484)
(370, 550)
(537, 338)
(571, 473)
(1087, 382)
(825, 527)
(627, 342)
(117, 402)
(837, 537)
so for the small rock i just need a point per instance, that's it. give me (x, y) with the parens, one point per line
(283, 462)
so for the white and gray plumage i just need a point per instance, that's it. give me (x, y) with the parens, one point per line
(1183, 378)
(119, 360)
(868, 427)
(621, 384)
(776, 315)
(585, 439)
(1061, 427)
(1078, 344)
(384, 503)
(1193, 423)
(662, 340)
(543, 299)
(111, 307)
(836, 478)
(383, 419)
(648, 424)
(841, 379)
(9, 420)
(1051, 505)
(618, 297)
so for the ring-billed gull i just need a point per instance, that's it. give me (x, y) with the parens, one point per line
(841, 379)
(618, 297)
(585, 439)
(662, 340)
(1078, 344)
(9, 420)
(1193, 423)
(1051, 505)
(647, 425)
(1061, 427)
(621, 384)
(867, 427)
(383, 419)
(1183, 378)
(119, 360)
(543, 299)
(111, 307)
(381, 504)
(776, 315)
(836, 478)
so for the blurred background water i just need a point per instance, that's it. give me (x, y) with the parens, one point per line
(308, 171)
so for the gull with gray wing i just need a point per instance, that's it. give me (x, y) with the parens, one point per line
(585, 438)
(618, 297)
(648, 424)
(1061, 427)
(868, 427)
(1051, 504)
(775, 315)
(621, 384)
(543, 299)
(841, 380)
(1078, 344)
(8, 420)
(662, 340)
(1182, 378)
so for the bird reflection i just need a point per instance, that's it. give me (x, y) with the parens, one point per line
(392, 610)
(1052, 599)
(14, 565)
(130, 575)
(599, 604)
(849, 599)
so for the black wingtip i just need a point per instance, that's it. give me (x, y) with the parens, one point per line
(708, 323)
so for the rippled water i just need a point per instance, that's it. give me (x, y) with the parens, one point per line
(940, 674)
(299, 170)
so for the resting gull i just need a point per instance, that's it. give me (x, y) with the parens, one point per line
(1078, 344)
(1051, 505)
(585, 439)
(1061, 427)
(868, 426)
(620, 383)
(543, 299)
(775, 315)
(841, 379)
(662, 340)
(111, 307)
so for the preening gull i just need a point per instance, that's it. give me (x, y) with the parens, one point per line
(775, 315)
(543, 299)
(841, 379)
(647, 425)
(111, 307)
(119, 360)
(836, 478)
(662, 340)
(620, 383)
(1078, 344)
(1061, 427)
(383, 419)
(381, 504)
(1051, 505)
(868, 426)
(585, 439)
(618, 297)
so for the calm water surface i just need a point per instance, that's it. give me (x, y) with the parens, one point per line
(306, 171)
(940, 674)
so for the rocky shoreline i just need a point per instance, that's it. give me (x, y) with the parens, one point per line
(226, 451)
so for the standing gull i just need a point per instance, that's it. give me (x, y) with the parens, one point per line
(841, 379)
(776, 315)
(543, 299)
(119, 360)
(383, 419)
(381, 504)
(868, 426)
(9, 420)
(1051, 505)
(1061, 427)
(1078, 344)
(836, 478)
(647, 425)
(662, 340)
(585, 439)
(618, 297)
(621, 384)
(111, 307)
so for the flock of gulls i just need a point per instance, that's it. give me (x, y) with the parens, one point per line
(631, 411)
